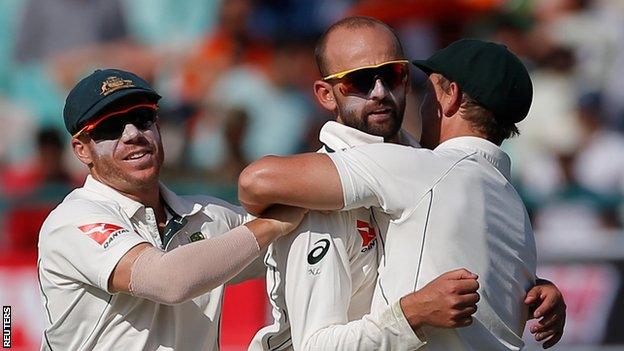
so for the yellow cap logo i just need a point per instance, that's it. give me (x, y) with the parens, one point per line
(112, 84)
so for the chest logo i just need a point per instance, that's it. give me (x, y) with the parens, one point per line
(196, 237)
(319, 251)
(102, 233)
(368, 234)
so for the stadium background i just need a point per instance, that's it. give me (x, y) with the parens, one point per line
(237, 76)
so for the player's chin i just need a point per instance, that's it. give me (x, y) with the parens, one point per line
(387, 129)
(144, 174)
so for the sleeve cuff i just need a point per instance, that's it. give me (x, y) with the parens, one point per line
(413, 339)
(248, 237)
(345, 180)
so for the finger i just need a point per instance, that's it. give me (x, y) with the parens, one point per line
(464, 322)
(541, 336)
(546, 323)
(545, 306)
(466, 312)
(465, 286)
(468, 300)
(533, 295)
(461, 273)
(552, 341)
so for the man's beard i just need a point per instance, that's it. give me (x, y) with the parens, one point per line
(387, 130)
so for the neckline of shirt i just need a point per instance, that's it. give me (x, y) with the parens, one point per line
(178, 204)
(485, 148)
(339, 137)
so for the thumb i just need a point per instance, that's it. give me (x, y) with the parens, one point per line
(459, 274)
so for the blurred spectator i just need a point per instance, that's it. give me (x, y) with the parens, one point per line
(172, 24)
(48, 27)
(550, 128)
(231, 43)
(33, 190)
(17, 141)
(59, 40)
(573, 211)
(45, 169)
(599, 165)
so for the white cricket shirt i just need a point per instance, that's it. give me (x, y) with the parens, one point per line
(81, 242)
(321, 278)
(451, 207)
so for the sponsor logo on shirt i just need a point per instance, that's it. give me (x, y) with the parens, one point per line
(319, 251)
(368, 234)
(103, 233)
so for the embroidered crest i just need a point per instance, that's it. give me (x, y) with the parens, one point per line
(196, 237)
(113, 83)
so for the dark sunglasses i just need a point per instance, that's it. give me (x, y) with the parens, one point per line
(111, 126)
(361, 80)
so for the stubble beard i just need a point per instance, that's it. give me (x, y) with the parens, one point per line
(114, 176)
(388, 130)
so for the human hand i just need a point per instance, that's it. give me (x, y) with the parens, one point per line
(285, 218)
(546, 302)
(449, 301)
(276, 221)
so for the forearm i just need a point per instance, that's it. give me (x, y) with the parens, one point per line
(194, 269)
(385, 330)
(308, 181)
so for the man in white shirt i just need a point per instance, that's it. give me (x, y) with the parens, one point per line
(320, 283)
(124, 263)
(317, 315)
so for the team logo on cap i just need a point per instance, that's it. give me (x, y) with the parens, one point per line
(113, 83)
(103, 233)
(368, 234)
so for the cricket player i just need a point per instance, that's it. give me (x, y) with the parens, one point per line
(125, 263)
(319, 282)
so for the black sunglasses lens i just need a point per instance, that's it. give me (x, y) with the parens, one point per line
(113, 127)
(144, 118)
(360, 81)
(393, 75)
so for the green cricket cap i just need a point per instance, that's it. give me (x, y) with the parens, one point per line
(489, 73)
(99, 90)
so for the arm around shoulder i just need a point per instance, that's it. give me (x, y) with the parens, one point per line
(308, 180)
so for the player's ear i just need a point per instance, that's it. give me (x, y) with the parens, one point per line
(452, 100)
(325, 95)
(82, 151)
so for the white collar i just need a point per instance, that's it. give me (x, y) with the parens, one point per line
(339, 137)
(180, 205)
(488, 150)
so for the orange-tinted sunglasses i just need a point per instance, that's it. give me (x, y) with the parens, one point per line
(361, 80)
(142, 116)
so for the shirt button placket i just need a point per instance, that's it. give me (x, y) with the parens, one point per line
(150, 218)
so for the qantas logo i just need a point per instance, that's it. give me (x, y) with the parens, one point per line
(102, 233)
(368, 234)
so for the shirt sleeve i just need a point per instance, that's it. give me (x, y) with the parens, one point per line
(387, 329)
(87, 248)
(378, 175)
(318, 291)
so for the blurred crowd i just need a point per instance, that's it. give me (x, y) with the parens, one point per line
(236, 79)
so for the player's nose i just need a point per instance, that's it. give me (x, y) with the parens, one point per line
(380, 91)
(130, 132)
